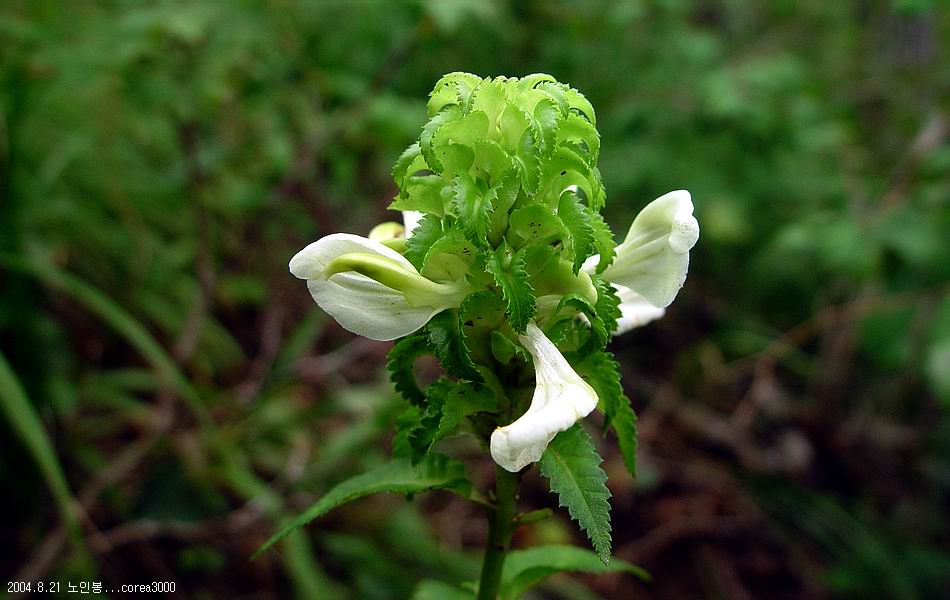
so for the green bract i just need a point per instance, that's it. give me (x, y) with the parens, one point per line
(508, 275)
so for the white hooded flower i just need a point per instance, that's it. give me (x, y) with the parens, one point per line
(369, 288)
(654, 257)
(561, 398)
(651, 263)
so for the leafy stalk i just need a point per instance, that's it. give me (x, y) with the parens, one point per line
(501, 527)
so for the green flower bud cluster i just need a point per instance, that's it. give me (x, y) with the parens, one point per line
(505, 176)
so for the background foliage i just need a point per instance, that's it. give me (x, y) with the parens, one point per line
(161, 161)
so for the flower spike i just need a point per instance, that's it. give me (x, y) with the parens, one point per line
(561, 398)
(369, 288)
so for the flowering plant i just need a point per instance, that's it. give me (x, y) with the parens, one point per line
(505, 271)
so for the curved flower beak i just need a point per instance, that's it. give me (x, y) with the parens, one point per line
(635, 311)
(653, 259)
(561, 398)
(371, 289)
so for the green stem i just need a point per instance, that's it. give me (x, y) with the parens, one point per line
(501, 526)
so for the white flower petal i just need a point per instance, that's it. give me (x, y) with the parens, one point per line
(654, 257)
(369, 308)
(310, 262)
(357, 302)
(635, 310)
(561, 398)
(411, 218)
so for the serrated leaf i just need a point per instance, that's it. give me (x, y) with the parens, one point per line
(526, 568)
(572, 466)
(546, 118)
(502, 197)
(608, 304)
(437, 471)
(512, 125)
(401, 168)
(603, 240)
(445, 339)
(422, 193)
(602, 372)
(581, 135)
(447, 404)
(535, 224)
(481, 314)
(423, 434)
(449, 257)
(446, 115)
(400, 362)
(473, 208)
(599, 334)
(465, 130)
(426, 233)
(490, 97)
(512, 277)
(491, 160)
(576, 220)
(463, 400)
(565, 168)
(406, 422)
(453, 88)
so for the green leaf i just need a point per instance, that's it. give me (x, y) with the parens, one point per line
(603, 240)
(431, 589)
(512, 125)
(491, 98)
(464, 131)
(608, 304)
(445, 338)
(546, 118)
(535, 224)
(572, 466)
(502, 197)
(426, 233)
(473, 208)
(564, 168)
(449, 257)
(599, 334)
(526, 568)
(437, 471)
(447, 403)
(512, 277)
(400, 362)
(423, 434)
(26, 424)
(481, 314)
(581, 135)
(422, 193)
(446, 115)
(602, 372)
(464, 400)
(492, 160)
(406, 422)
(576, 220)
(403, 163)
(454, 88)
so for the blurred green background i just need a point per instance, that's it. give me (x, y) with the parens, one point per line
(170, 393)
